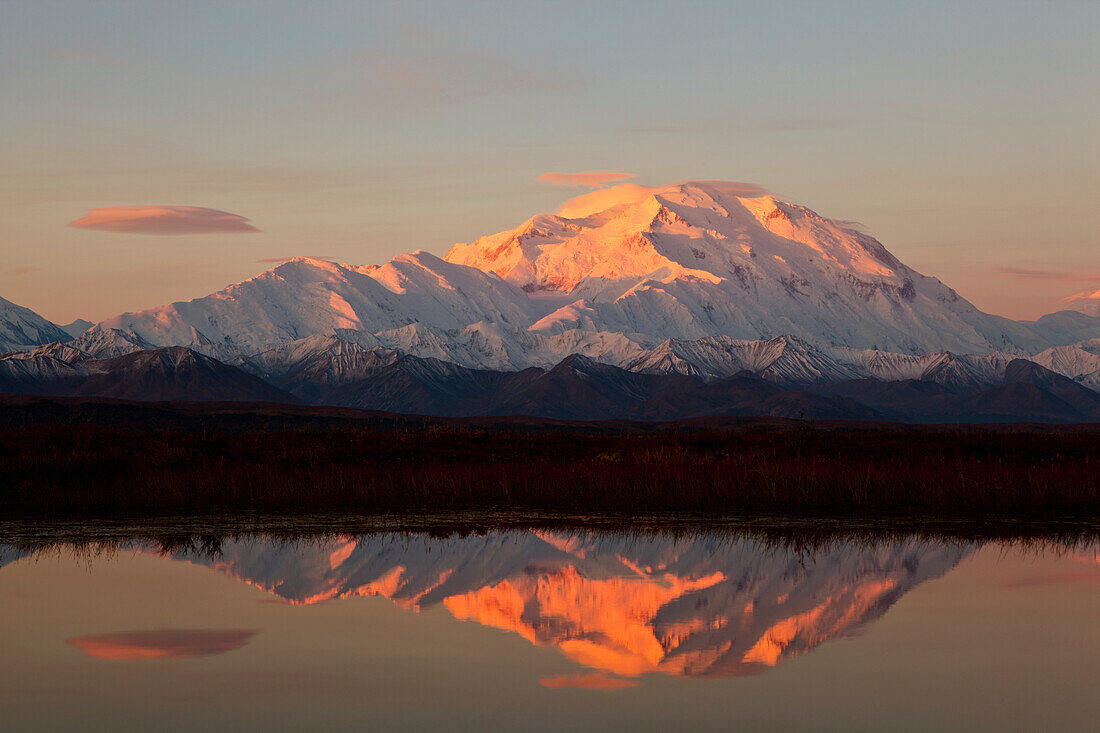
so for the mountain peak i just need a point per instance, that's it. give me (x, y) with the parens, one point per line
(717, 230)
(22, 328)
(610, 275)
(612, 235)
(1087, 302)
(299, 262)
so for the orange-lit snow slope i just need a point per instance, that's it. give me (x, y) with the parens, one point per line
(612, 274)
(1087, 302)
(621, 606)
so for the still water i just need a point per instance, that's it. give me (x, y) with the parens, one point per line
(550, 630)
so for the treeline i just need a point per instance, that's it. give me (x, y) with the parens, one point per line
(79, 471)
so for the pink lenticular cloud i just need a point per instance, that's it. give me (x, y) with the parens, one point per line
(588, 179)
(604, 198)
(162, 220)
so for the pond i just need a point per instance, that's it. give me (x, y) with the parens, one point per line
(549, 629)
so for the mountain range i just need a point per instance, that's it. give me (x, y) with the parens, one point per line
(628, 605)
(633, 302)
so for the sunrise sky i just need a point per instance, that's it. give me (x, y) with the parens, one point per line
(964, 136)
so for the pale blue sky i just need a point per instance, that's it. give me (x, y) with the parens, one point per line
(962, 135)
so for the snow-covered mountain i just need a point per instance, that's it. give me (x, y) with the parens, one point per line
(620, 603)
(169, 373)
(77, 327)
(175, 373)
(416, 301)
(695, 262)
(104, 343)
(956, 371)
(785, 359)
(1087, 302)
(677, 380)
(1080, 361)
(21, 328)
(701, 259)
(715, 298)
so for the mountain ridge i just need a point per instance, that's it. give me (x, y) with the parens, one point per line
(21, 328)
(633, 302)
(328, 371)
(688, 262)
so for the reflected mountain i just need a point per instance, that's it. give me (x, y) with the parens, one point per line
(620, 604)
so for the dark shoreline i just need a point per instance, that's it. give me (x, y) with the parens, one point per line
(86, 459)
(22, 411)
(207, 533)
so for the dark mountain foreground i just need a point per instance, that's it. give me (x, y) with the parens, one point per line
(340, 374)
(82, 458)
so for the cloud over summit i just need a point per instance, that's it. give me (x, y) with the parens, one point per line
(162, 220)
(603, 198)
(280, 260)
(588, 179)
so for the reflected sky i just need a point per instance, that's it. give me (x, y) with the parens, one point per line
(539, 630)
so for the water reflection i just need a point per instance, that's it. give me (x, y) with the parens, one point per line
(162, 643)
(621, 604)
(546, 630)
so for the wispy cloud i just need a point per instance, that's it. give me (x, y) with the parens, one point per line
(1060, 276)
(745, 123)
(16, 272)
(279, 260)
(852, 224)
(162, 220)
(586, 682)
(588, 179)
(602, 199)
(415, 80)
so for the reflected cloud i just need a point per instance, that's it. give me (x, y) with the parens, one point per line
(1091, 575)
(1093, 559)
(586, 682)
(1042, 579)
(162, 643)
(162, 220)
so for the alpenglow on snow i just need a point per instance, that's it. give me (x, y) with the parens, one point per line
(613, 276)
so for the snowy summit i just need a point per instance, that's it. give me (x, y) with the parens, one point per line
(615, 274)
